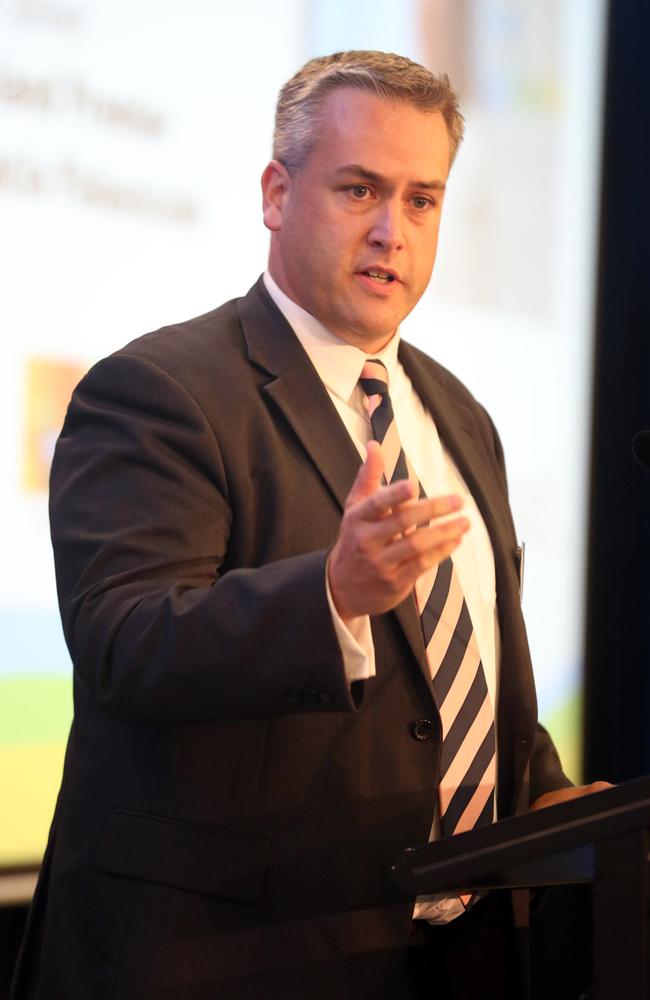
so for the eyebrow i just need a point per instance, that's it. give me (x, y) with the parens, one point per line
(370, 175)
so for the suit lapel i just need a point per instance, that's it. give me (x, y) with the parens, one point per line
(297, 391)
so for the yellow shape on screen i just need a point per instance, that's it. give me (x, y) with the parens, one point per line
(30, 776)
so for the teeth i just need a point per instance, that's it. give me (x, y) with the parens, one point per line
(380, 276)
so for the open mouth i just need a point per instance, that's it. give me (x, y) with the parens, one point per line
(381, 276)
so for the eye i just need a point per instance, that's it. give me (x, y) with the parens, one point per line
(359, 191)
(422, 203)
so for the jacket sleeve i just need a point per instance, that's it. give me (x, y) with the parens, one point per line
(546, 774)
(141, 518)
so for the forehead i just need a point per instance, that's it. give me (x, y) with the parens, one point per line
(387, 136)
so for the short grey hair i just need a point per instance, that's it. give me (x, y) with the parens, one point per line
(389, 76)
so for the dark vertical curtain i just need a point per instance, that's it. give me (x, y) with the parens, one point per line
(617, 703)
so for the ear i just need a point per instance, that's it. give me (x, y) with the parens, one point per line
(276, 183)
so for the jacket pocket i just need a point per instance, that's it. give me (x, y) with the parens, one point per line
(184, 855)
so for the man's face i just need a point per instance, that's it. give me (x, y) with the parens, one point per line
(355, 230)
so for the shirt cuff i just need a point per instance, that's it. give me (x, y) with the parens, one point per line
(355, 641)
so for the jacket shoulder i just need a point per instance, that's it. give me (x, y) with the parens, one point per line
(180, 347)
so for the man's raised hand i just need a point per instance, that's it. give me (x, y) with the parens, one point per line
(378, 556)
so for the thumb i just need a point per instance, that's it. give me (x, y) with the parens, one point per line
(369, 476)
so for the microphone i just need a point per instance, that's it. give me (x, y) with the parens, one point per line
(641, 448)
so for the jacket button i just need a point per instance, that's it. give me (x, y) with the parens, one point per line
(421, 729)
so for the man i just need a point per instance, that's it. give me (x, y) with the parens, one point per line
(256, 731)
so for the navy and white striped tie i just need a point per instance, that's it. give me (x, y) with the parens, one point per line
(468, 758)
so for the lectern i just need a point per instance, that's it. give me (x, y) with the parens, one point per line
(600, 838)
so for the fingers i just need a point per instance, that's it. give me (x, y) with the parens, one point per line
(421, 549)
(379, 553)
(384, 524)
(405, 560)
(369, 476)
(598, 786)
(367, 576)
(566, 794)
(393, 515)
(372, 501)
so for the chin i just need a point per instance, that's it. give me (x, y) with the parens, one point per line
(378, 331)
(373, 341)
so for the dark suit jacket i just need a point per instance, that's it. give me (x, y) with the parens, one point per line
(230, 809)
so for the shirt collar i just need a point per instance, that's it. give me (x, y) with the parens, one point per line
(338, 364)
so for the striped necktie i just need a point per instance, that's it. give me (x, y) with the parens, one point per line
(468, 757)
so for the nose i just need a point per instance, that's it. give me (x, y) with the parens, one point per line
(386, 231)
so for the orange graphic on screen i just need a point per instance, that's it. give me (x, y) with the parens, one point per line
(48, 387)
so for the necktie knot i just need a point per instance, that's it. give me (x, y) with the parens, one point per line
(374, 378)
(374, 382)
